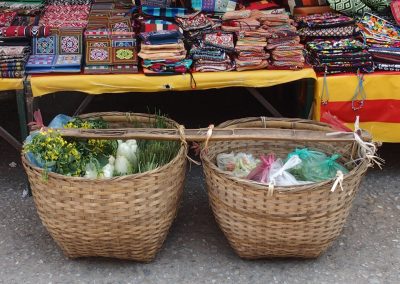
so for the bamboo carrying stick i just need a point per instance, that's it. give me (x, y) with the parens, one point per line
(200, 135)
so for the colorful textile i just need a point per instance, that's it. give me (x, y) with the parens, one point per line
(56, 53)
(158, 25)
(163, 12)
(220, 6)
(6, 18)
(378, 31)
(349, 7)
(67, 16)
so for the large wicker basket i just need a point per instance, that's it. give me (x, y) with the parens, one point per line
(298, 221)
(125, 217)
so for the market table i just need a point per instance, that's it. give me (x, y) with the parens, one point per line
(39, 85)
(379, 110)
(15, 85)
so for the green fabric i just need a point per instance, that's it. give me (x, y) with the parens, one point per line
(378, 5)
(349, 7)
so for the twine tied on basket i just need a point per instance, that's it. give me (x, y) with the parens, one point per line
(366, 150)
(181, 129)
(338, 181)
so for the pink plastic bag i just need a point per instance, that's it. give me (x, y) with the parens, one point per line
(261, 172)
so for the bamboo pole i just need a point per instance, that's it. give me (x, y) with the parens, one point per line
(200, 135)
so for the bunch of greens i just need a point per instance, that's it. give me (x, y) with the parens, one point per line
(154, 153)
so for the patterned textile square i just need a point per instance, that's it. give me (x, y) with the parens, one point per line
(71, 59)
(349, 7)
(40, 60)
(98, 55)
(125, 55)
(120, 26)
(45, 45)
(98, 43)
(123, 42)
(70, 44)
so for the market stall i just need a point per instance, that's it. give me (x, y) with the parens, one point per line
(122, 83)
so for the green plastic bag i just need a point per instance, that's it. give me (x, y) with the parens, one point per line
(323, 170)
(316, 166)
(307, 157)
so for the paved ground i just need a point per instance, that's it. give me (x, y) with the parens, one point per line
(196, 251)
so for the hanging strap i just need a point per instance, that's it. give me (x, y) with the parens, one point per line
(357, 102)
(325, 91)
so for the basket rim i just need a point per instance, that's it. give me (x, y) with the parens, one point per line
(283, 189)
(182, 152)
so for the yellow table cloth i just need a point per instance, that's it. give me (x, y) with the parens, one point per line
(10, 84)
(380, 113)
(125, 83)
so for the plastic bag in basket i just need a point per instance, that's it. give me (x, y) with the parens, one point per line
(279, 173)
(240, 165)
(323, 170)
(260, 173)
(307, 157)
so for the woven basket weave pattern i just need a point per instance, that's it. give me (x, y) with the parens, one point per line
(124, 217)
(300, 221)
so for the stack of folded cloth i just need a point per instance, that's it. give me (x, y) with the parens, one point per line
(384, 40)
(252, 40)
(386, 58)
(339, 56)
(12, 60)
(110, 40)
(66, 13)
(20, 23)
(209, 49)
(163, 52)
(284, 42)
(328, 25)
(213, 52)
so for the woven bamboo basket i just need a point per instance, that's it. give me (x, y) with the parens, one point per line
(125, 217)
(299, 221)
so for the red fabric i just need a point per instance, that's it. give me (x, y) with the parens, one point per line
(395, 7)
(371, 111)
(261, 5)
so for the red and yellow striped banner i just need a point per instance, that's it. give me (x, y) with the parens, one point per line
(380, 113)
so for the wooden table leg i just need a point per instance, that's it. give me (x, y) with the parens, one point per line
(256, 94)
(10, 139)
(23, 125)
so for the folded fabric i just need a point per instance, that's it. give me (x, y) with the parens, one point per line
(195, 21)
(175, 46)
(395, 8)
(343, 31)
(163, 12)
(6, 18)
(161, 37)
(326, 20)
(387, 67)
(234, 15)
(12, 74)
(68, 16)
(250, 65)
(154, 25)
(282, 65)
(214, 5)
(349, 7)
(219, 40)
(168, 66)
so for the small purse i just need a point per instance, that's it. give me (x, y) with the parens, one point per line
(220, 40)
(195, 21)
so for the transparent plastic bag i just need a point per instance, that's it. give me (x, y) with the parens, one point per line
(323, 170)
(279, 173)
(261, 172)
(240, 165)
